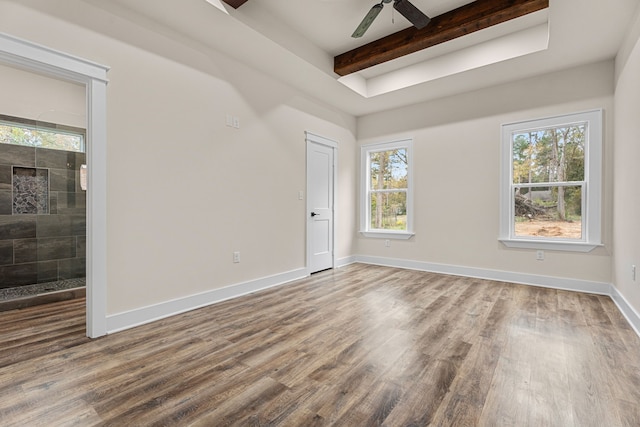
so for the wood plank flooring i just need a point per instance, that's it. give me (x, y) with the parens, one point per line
(358, 346)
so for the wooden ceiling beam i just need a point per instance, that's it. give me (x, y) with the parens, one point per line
(464, 20)
(235, 3)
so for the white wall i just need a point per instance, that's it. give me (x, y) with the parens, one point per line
(626, 195)
(35, 97)
(185, 190)
(457, 166)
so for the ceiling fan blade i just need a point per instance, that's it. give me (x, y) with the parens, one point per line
(412, 13)
(366, 22)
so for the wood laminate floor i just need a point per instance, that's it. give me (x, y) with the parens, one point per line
(358, 346)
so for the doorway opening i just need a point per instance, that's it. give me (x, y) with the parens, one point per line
(42, 210)
(24, 55)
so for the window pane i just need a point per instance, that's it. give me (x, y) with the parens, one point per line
(389, 211)
(550, 212)
(549, 155)
(388, 169)
(43, 138)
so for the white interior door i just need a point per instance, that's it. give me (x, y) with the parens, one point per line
(320, 206)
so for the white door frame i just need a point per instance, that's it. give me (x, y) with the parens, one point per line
(311, 137)
(40, 59)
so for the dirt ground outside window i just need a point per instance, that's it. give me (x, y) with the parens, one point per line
(541, 228)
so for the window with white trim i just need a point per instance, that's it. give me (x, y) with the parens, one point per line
(18, 131)
(386, 208)
(551, 173)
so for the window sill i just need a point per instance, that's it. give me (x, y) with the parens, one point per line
(400, 235)
(550, 246)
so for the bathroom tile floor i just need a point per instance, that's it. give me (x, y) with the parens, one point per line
(40, 288)
(42, 293)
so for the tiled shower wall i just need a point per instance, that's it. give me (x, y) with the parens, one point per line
(38, 247)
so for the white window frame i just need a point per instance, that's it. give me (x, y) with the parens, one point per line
(592, 185)
(365, 206)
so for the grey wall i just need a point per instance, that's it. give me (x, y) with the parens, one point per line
(39, 248)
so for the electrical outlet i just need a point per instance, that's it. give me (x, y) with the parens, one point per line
(387, 243)
(236, 257)
(540, 255)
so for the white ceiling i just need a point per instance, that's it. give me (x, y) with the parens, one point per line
(296, 40)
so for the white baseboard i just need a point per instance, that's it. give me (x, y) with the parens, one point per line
(129, 319)
(563, 283)
(342, 262)
(626, 309)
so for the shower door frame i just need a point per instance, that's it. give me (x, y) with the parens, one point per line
(32, 57)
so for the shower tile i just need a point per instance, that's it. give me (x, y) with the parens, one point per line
(63, 180)
(18, 275)
(6, 202)
(81, 246)
(59, 159)
(53, 202)
(47, 271)
(42, 248)
(25, 250)
(53, 226)
(17, 227)
(6, 252)
(61, 225)
(17, 155)
(72, 268)
(5, 177)
(78, 225)
(71, 203)
(56, 248)
(48, 158)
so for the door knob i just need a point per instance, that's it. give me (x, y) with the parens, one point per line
(314, 214)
